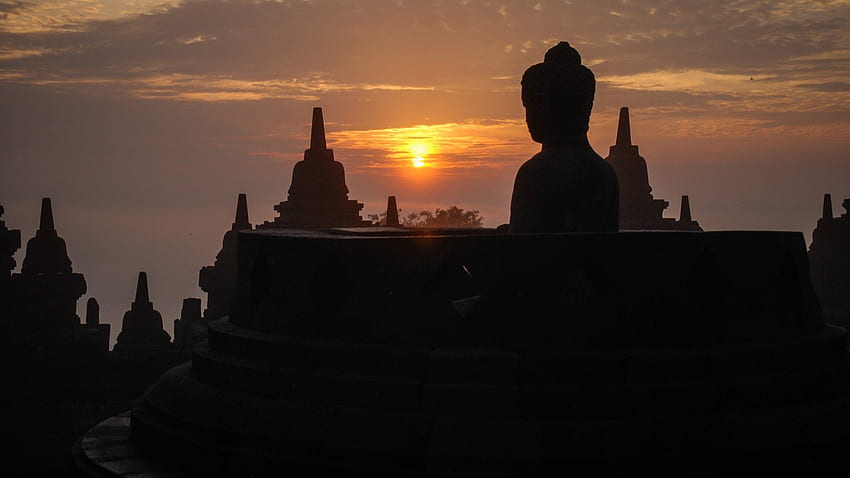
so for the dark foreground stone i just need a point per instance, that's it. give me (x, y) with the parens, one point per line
(441, 353)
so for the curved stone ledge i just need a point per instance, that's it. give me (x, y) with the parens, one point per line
(230, 429)
(454, 387)
(495, 367)
(537, 291)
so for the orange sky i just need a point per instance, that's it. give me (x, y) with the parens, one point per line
(144, 119)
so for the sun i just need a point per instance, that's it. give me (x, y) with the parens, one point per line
(419, 150)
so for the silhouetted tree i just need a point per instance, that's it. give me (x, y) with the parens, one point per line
(451, 217)
(381, 219)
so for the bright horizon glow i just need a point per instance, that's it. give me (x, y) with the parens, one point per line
(465, 147)
(420, 150)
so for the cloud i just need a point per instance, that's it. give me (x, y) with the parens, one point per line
(196, 39)
(830, 86)
(12, 7)
(218, 88)
(383, 42)
(36, 16)
(404, 63)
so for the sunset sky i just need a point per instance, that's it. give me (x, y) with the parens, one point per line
(143, 120)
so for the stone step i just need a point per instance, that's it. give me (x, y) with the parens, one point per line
(502, 394)
(231, 428)
(825, 349)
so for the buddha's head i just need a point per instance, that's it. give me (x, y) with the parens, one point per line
(558, 96)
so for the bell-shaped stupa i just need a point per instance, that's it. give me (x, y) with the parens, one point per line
(46, 252)
(318, 196)
(141, 328)
(44, 302)
(638, 208)
(48, 289)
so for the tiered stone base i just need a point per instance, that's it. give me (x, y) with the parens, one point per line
(255, 403)
(325, 384)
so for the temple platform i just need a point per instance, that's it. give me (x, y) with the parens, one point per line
(358, 352)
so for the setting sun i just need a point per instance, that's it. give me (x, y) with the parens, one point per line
(420, 150)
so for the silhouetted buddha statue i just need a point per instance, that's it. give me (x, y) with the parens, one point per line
(566, 187)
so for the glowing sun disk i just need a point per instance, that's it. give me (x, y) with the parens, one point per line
(420, 149)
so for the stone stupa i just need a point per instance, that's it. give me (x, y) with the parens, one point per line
(219, 279)
(45, 293)
(318, 195)
(829, 257)
(639, 210)
(141, 329)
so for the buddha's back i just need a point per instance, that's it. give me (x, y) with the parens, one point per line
(566, 187)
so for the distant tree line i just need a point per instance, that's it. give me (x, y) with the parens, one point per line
(451, 217)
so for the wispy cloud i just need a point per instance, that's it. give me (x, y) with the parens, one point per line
(449, 62)
(186, 87)
(38, 16)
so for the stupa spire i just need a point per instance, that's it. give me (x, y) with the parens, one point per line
(685, 210)
(142, 296)
(392, 212)
(624, 130)
(92, 312)
(46, 252)
(242, 212)
(318, 196)
(317, 135)
(46, 225)
(827, 206)
(142, 324)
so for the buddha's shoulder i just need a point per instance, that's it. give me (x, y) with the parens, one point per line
(558, 158)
